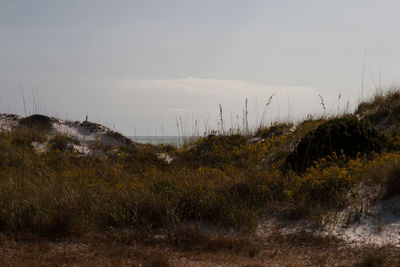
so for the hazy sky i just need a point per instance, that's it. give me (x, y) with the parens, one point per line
(144, 65)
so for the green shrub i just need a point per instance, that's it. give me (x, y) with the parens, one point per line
(345, 135)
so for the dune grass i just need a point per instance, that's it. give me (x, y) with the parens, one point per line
(226, 181)
(223, 181)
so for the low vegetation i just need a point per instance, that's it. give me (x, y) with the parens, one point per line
(222, 181)
(36, 123)
(345, 135)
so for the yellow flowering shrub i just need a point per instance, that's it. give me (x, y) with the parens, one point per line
(229, 181)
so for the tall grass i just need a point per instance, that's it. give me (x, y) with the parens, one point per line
(58, 192)
(228, 181)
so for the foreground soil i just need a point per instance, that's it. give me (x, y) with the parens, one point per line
(190, 249)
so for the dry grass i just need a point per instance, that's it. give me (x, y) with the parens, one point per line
(130, 207)
(116, 249)
(225, 181)
(383, 110)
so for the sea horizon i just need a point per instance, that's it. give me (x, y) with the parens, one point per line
(164, 139)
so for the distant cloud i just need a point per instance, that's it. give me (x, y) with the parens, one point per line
(198, 99)
(209, 86)
(185, 110)
(201, 96)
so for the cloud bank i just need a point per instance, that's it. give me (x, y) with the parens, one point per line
(198, 99)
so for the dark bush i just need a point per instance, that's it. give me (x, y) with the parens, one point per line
(37, 122)
(345, 135)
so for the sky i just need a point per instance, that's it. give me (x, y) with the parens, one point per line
(158, 67)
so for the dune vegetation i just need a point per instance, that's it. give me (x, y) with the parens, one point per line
(133, 206)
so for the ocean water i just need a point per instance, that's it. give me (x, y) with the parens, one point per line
(177, 141)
